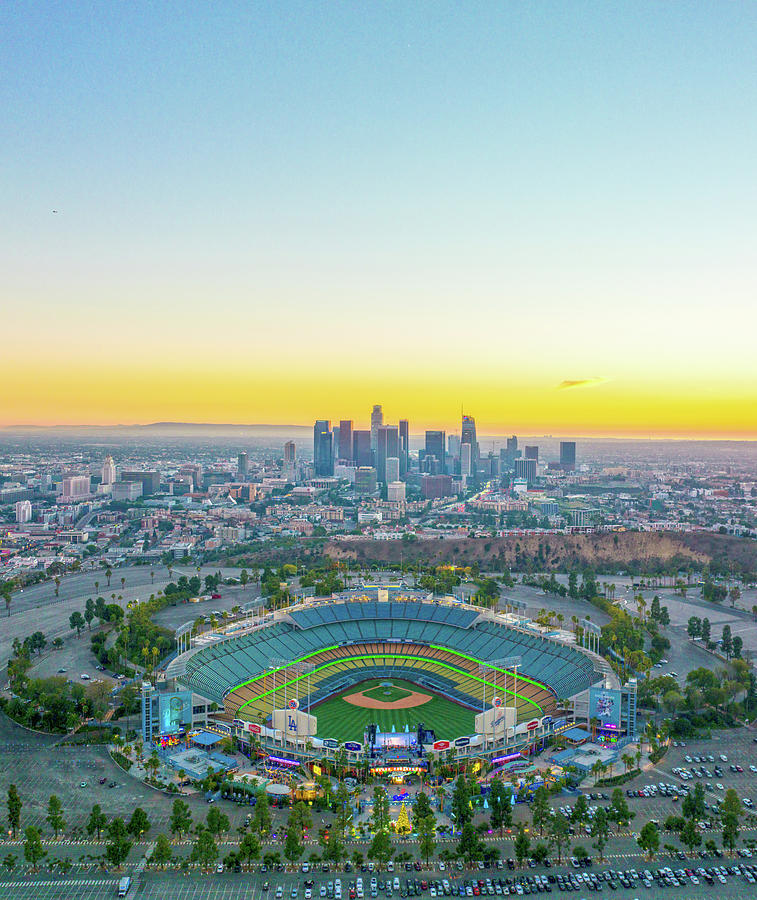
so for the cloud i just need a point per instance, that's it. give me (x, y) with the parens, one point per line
(582, 382)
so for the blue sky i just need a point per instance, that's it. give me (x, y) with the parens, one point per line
(578, 176)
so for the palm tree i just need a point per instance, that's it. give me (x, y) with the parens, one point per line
(109, 574)
(123, 583)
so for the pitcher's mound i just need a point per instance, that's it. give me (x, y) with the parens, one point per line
(411, 699)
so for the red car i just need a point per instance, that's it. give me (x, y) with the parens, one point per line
(215, 596)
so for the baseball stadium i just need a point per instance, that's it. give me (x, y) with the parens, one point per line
(327, 671)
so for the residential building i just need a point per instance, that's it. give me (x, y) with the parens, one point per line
(23, 511)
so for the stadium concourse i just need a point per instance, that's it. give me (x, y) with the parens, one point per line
(481, 681)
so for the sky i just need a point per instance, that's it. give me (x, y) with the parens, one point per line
(543, 213)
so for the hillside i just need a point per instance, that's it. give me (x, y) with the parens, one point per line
(647, 551)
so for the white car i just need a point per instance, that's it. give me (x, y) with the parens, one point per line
(84, 676)
(753, 768)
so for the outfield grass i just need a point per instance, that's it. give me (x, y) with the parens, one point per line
(344, 722)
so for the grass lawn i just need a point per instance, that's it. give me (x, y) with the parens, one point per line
(345, 722)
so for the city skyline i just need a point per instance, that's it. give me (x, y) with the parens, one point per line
(542, 213)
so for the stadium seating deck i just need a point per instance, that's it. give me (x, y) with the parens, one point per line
(438, 637)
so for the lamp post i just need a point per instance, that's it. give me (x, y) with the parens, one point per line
(494, 666)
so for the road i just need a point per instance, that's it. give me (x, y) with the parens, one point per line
(37, 607)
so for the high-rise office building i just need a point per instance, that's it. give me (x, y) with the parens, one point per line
(388, 445)
(465, 460)
(365, 480)
(392, 469)
(150, 481)
(396, 492)
(109, 471)
(435, 446)
(404, 446)
(289, 469)
(436, 486)
(509, 454)
(243, 464)
(468, 436)
(361, 448)
(377, 420)
(75, 487)
(526, 468)
(323, 456)
(345, 440)
(532, 453)
(568, 455)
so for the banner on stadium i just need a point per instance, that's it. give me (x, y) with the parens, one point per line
(462, 742)
(353, 746)
(441, 745)
(330, 743)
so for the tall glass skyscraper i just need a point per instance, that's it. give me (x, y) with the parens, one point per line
(323, 451)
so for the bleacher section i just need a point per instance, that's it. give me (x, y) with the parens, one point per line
(328, 634)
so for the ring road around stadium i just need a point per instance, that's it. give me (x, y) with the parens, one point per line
(320, 674)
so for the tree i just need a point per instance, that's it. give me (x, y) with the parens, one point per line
(55, 815)
(14, 810)
(600, 828)
(689, 835)
(380, 815)
(204, 850)
(521, 845)
(33, 849)
(89, 612)
(343, 817)
(162, 852)
(461, 811)
(618, 811)
(261, 820)
(727, 644)
(501, 811)
(249, 847)
(139, 824)
(737, 645)
(181, 818)
(705, 631)
(119, 845)
(217, 822)
(76, 621)
(580, 810)
(540, 809)
(6, 591)
(664, 617)
(730, 812)
(96, 822)
(693, 803)
(558, 833)
(694, 627)
(381, 848)
(470, 844)
(649, 839)
(425, 828)
(9, 862)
